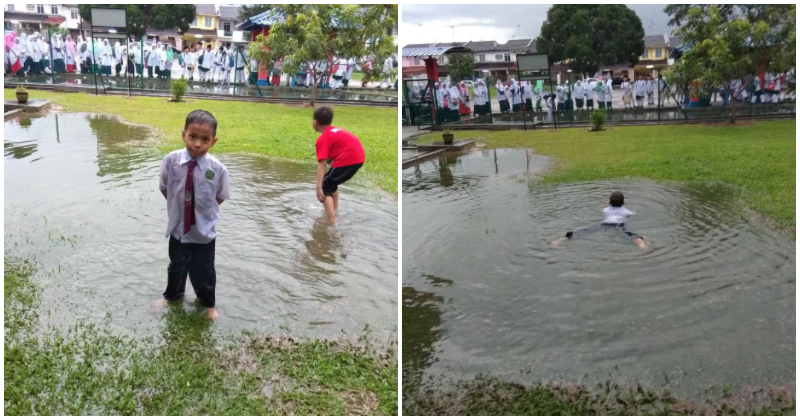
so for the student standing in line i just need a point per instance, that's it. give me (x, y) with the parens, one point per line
(609, 91)
(351, 65)
(578, 89)
(151, 58)
(527, 94)
(626, 93)
(501, 96)
(601, 95)
(588, 91)
(650, 88)
(69, 54)
(516, 96)
(106, 58)
(344, 152)
(239, 61)
(640, 89)
(206, 65)
(454, 101)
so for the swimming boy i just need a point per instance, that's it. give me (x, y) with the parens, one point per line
(614, 217)
(345, 153)
(194, 183)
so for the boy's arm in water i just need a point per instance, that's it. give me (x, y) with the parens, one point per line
(640, 242)
(322, 166)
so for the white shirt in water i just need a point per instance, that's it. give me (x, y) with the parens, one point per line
(616, 215)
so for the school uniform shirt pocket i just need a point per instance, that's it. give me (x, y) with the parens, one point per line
(206, 194)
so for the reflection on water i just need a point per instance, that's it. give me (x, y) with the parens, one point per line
(711, 302)
(277, 269)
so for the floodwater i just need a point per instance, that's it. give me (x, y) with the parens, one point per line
(81, 197)
(710, 303)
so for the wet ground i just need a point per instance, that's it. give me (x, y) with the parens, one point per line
(81, 197)
(710, 303)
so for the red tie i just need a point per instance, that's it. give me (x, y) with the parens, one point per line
(188, 203)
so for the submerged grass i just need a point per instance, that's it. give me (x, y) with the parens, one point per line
(88, 370)
(266, 129)
(493, 397)
(758, 160)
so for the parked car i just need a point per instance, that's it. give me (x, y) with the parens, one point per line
(469, 83)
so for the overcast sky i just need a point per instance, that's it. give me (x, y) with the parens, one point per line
(428, 23)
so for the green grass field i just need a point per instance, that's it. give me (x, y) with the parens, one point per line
(758, 159)
(268, 129)
(89, 370)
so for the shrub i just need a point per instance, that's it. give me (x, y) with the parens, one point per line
(178, 89)
(598, 119)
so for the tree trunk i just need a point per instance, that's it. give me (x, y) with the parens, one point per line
(732, 101)
(313, 87)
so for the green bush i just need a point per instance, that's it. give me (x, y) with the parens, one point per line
(598, 119)
(178, 89)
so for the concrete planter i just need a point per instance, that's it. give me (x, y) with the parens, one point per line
(448, 138)
(22, 97)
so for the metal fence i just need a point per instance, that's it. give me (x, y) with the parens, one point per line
(139, 66)
(664, 106)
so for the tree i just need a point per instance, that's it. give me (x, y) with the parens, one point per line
(307, 36)
(364, 33)
(246, 11)
(753, 12)
(55, 29)
(729, 52)
(590, 35)
(461, 66)
(143, 16)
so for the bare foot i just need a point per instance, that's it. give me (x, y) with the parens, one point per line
(558, 241)
(642, 245)
(212, 313)
(326, 221)
(160, 304)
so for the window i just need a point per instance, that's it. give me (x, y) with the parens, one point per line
(482, 58)
(53, 9)
(441, 60)
(194, 22)
(658, 53)
(40, 8)
(10, 7)
(31, 7)
(226, 26)
(208, 22)
(498, 57)
(416, 61)
(507, 57)
(646, 54)
(74, 14)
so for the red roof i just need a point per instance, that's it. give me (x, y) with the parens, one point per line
(54, 19)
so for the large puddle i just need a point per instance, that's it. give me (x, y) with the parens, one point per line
(81, 196)
(711, 303)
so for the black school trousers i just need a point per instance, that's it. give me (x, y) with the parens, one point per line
(196, 261)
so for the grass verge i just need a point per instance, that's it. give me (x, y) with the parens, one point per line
(267, 129)
(88, 370)
(758, 160)
(492, 397)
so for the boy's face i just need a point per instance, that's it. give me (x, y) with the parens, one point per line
(199, 139)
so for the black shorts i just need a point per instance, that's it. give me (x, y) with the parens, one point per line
(337, 176)
(618, 227)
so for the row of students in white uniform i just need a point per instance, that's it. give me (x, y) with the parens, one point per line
(341, 70)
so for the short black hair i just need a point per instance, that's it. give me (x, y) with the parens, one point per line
(185, 47)
(202, 118)
(324, 115)
(617, 199)
(208, 45)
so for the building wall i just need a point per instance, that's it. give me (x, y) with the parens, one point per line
(201, 22)
(652, 51)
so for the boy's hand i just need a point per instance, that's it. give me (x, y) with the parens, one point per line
(320, 195)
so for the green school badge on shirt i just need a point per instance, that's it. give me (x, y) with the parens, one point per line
(209, 174)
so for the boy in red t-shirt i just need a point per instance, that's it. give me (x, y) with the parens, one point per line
(343, 150)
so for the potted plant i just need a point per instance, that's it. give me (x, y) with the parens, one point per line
(447, 135)
(22, 95)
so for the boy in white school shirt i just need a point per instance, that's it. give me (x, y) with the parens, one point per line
(614, 217)
(194, 183)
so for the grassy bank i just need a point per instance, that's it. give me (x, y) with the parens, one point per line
(186, 371)
(758, 160)
(491, 397)
(267, 129)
